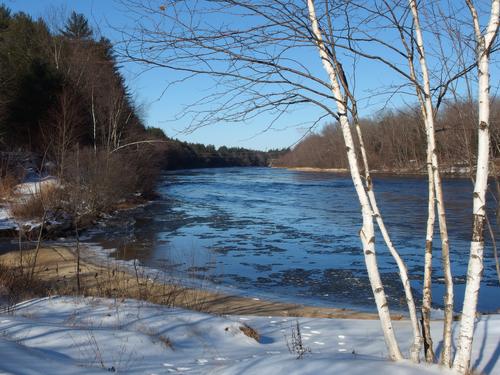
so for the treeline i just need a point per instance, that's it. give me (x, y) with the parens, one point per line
(66, 111)
(179, 155)
(61, 89)
(395, 141)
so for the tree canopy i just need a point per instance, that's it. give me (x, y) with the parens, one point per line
(77, 27)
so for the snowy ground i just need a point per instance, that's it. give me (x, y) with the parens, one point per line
(35, 186)
(6, 221)
(23, 192)
(65, 335)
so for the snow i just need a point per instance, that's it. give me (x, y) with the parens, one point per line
(70, 335)
(6, 221)
(34, 187)
(23, 192)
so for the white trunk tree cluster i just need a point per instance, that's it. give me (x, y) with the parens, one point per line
(475, 269)
(367, 232)
(259, 75)
(436, 190)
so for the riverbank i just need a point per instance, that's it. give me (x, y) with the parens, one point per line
(74, 335)
(56, 266)
(87, 335)
(456, 172)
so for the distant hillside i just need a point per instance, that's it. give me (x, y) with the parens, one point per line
(395, 141)
(181, 155)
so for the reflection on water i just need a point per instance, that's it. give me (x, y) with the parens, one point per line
(293, 235)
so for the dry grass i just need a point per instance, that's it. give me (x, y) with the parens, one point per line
(7, 184)
(28, 208)
(35, 205)
(156, 336)
(17, 285)
(57, 267)
(250, 332)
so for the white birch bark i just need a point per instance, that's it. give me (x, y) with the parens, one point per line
(403, 271)
(367, 232)
(427, 285)
(94, 122)
(431, 218)
(443, 230)
(475, 268)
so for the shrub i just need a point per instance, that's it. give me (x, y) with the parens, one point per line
(7, 184)
(10, 174)
(33, 206)
(295, 344)
(17, 286)
(96, 182)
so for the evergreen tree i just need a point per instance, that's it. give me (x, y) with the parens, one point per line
(4, 17)
(77, 27)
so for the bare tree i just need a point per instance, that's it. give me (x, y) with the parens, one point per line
(63, 127)
(367, 232)
(484, 44)
(258, 69)
(347, 94)
(425, 98)
(402, 19)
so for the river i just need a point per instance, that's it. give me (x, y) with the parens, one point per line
(293, 235)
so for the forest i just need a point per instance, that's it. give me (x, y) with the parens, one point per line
(75, 148)
(66, 111)
(395, 141)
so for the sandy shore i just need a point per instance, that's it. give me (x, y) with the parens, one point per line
(310, 169)
(409, 173)
(57, 266)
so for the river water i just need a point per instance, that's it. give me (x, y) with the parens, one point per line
(293, 235)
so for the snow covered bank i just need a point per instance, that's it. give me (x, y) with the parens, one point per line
(85, 336)
(7, 223)
(30, 188)
(22, 193)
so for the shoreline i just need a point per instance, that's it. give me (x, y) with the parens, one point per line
(57, 267)
(376, 172)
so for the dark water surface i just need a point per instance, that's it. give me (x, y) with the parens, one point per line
(293, 235)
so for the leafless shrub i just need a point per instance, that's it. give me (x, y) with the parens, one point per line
(295, 344)
(98, 181)
(7, 183)
(10, 174)
(16, 286)
(35, 205)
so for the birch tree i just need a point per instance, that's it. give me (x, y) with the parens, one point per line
(259, 65)
(402, 19)
(367, 232)
(336, 67)
(253, 54)
(425, 99)
(484, 42)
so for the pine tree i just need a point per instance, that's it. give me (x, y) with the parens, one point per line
(77, 27)
(4, 17)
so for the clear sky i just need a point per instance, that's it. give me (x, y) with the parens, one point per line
(162, 107)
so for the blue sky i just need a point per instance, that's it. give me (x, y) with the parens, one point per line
(162, 107)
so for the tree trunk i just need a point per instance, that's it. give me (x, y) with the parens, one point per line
(475, 268)
(367, 232)
(427, 291)
(438, 190)
(403, 271)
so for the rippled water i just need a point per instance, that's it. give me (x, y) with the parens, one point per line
(294, 235)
